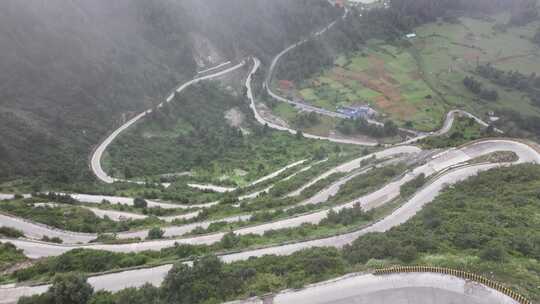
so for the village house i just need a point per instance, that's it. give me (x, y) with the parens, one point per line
(355, 112)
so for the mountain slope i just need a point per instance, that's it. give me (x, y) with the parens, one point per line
(77, 68)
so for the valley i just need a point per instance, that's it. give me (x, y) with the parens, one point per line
(374, 166)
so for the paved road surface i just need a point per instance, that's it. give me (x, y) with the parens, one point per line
(409, 209)
(214, 67)
(407, 288)
(37, 231)
(438, 164)
(356, 164)
(95, 162)
(98, 199)
(119, 216)
(272, 125)
(220, 189)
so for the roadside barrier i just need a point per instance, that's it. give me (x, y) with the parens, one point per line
(457, 273)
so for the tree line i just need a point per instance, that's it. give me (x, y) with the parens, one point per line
(477, 88)
(360, 125)
(530, 84)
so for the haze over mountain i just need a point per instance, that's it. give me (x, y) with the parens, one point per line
(71, 68)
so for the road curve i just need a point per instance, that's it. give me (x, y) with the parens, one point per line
(36, 231)
(447, 124)
(357, 163)
(272, 125)
(405, 288)
(97, 155)
(119, 216)
(418, 288)
(441, 164)
(221, 189)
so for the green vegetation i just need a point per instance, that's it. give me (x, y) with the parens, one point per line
(69, 217)
(140, 203)
(514, 80)
(213, 147)
(476, 87)
(10, 232)
(211, 281)
(463, 130)
(412, 186)
(80, 260)
(416, 81)
(95, 261)
(10, 256)
(345, 220)
(267, 208)
(362, 126)
(474, 226)
(65, 289)
(366, 183)
(155, 233)
(451, 52)
(487, 224)
(384, 76)
(50, 139)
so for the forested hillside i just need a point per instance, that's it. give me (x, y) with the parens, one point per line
(74, 69)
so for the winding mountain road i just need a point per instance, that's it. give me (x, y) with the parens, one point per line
(221, 189)
(446, 166)
(441, 164)
(36, 231)
(95, 162)
(406, 288)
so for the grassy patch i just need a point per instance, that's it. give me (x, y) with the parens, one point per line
(463, 130)
(69, 217)
(192, 134)
(449, 52)
(9, 256)
(418, 83)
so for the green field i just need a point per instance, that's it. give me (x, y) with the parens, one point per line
(449, 52)
(419, 80)
(383, 76)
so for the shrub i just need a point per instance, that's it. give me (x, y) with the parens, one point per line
(54, 239)
(140, 203)
(10, 232)
(155, 233)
